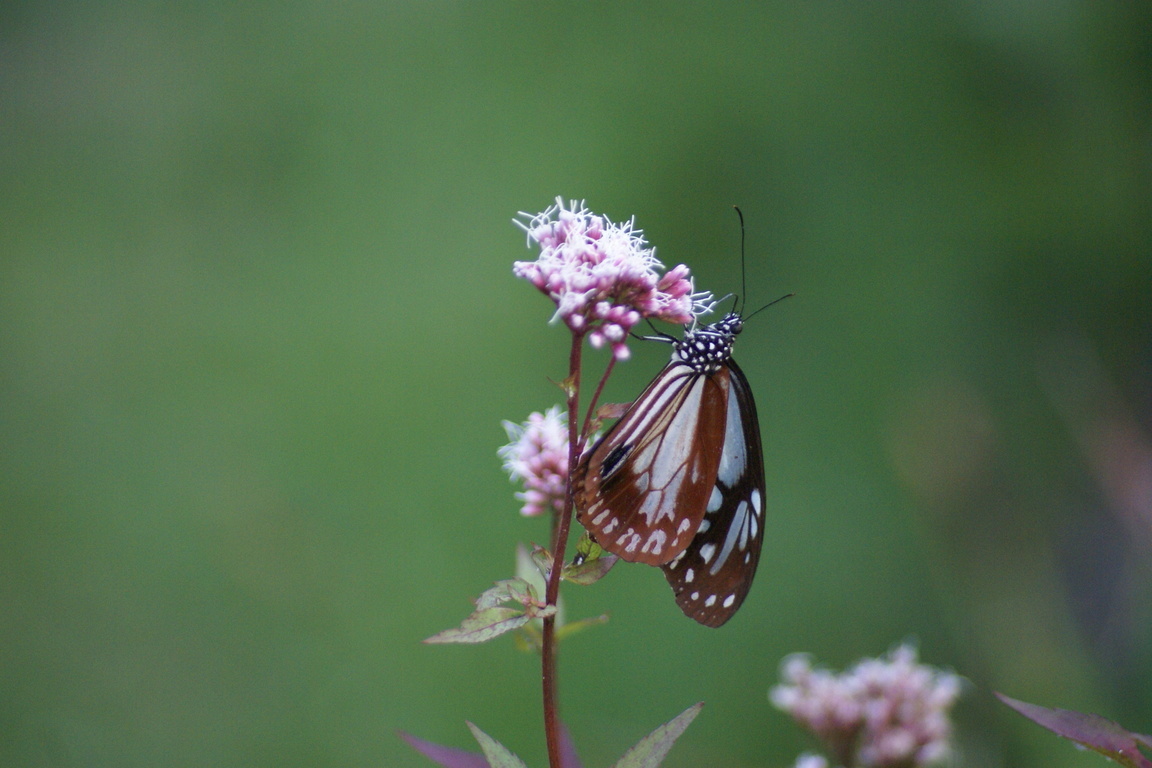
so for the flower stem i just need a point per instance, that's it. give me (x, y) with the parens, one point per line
(595, 397)
(561, 526)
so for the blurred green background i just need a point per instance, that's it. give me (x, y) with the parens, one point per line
(259, 331)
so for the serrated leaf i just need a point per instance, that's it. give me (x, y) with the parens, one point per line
(653, 748)
(482, 626)
(1092, 731)
(449, 757)
(589, 571)
(508, 591)
(497, 754)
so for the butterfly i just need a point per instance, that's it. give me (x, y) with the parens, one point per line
(678, 481)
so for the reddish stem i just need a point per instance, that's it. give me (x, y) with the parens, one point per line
(561, 526)
(595, 397)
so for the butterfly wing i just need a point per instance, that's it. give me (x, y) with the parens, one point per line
(713, 576)
(642, 489)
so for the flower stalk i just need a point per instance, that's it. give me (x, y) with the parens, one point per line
(604, 279)
(561, 524)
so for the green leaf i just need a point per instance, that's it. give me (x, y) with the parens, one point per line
(533, 569)
(653, 748)
(587, 549)
(496, 753)
(508, 591)
(589, 571)
(542, 560)
(482, 626)
(1091, 731)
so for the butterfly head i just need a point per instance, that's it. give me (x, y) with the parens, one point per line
(707, 348)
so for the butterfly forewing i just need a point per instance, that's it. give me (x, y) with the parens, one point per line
(713, 576)
(641, 491)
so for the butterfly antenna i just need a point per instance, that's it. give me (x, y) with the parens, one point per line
(774, 301)
(743, 271)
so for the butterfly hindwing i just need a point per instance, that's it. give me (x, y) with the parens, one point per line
(713, 576)
(641, 491)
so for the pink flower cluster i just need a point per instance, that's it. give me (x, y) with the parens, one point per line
(886, 713)
(603, 277)
(538, 456)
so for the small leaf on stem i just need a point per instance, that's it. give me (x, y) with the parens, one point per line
(508, 591)
(568, 386)
(498, 755)
(589, 571)
(482, 626)
(612, 410)
(653, 748)
(533, 568)
(586, 549)
(606, 411)
(1091, 731)
(492, 619)
(542, 560)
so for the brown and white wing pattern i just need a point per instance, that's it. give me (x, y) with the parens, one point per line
(712, 577)
(641, 491)
(678, 481)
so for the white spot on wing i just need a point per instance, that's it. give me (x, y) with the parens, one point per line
(655, 543)
(729, 600)
(734, 456)
(689, 575)
(711, 601)
(631, 537)
(651, 507)
(706, 553)
(735, 531)
(715, 500)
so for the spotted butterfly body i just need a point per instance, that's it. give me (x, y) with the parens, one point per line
(678, 481)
